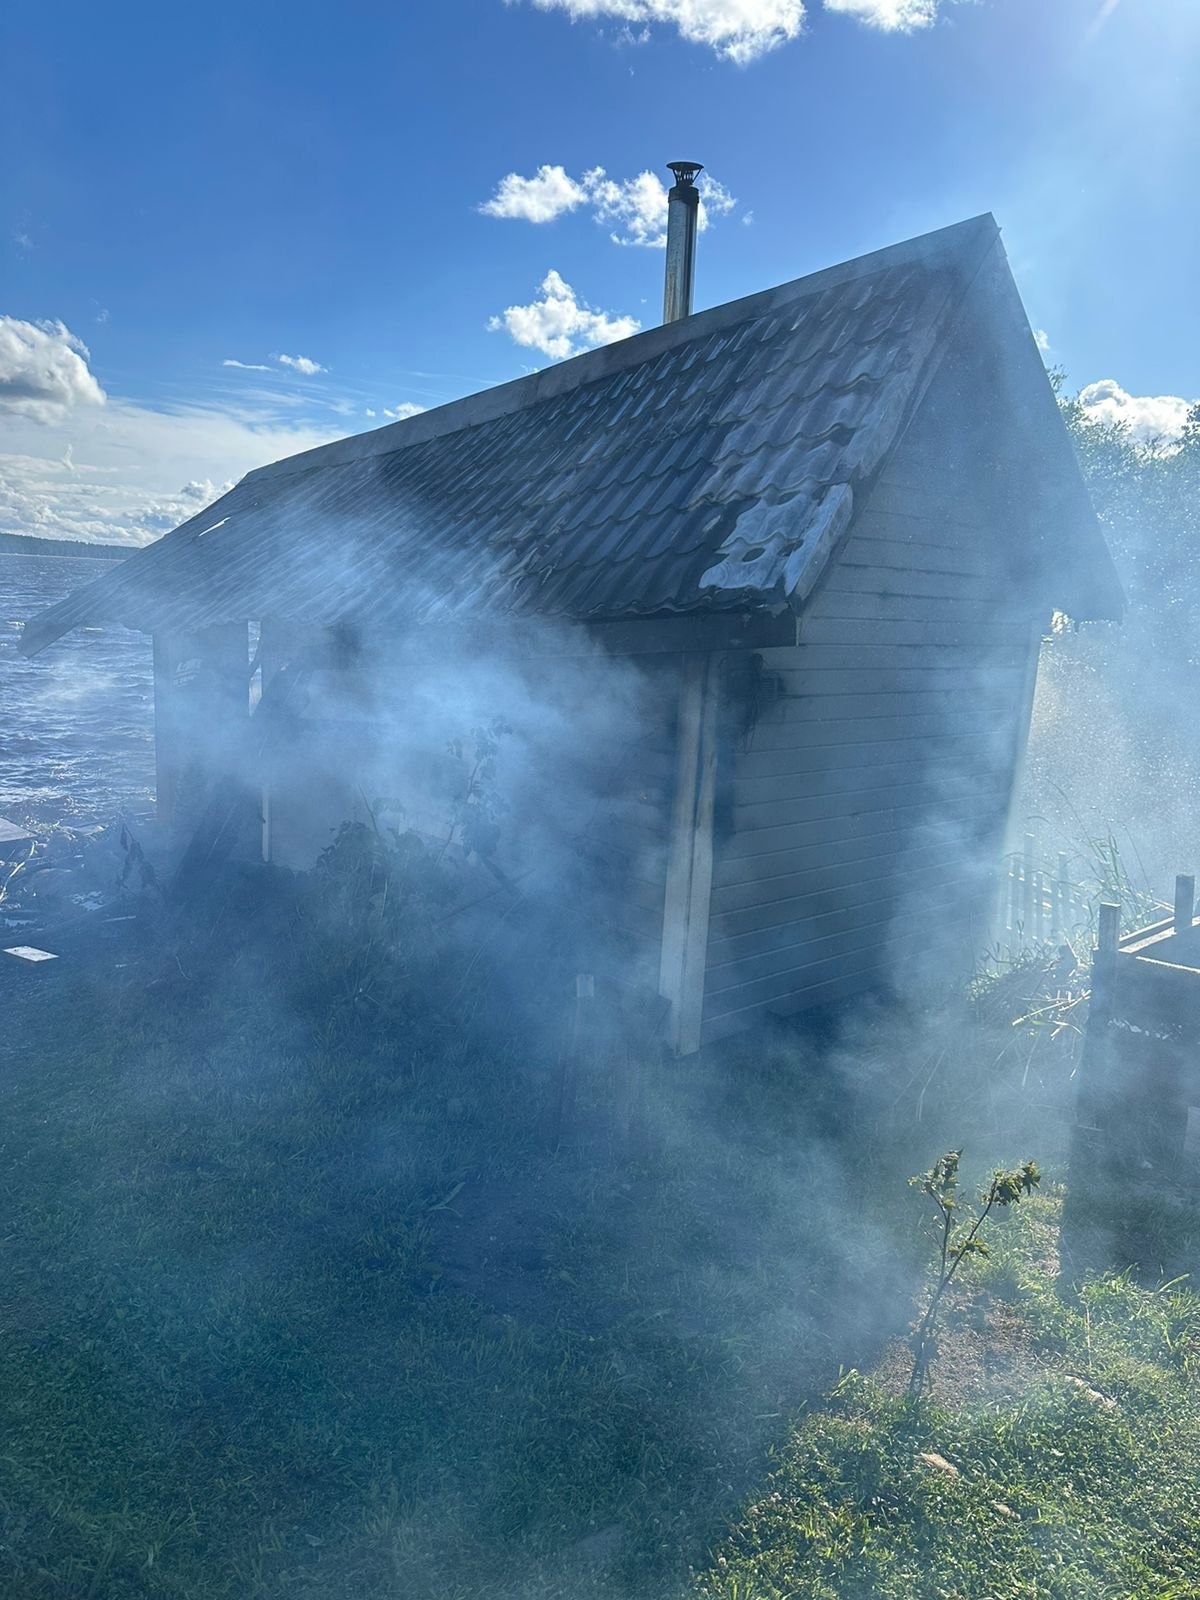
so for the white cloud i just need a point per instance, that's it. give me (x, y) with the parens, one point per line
(301, 364)
(559, 324)
(403, 411)
(1148, 418)
(715, 200)
(548, 194)
(893, 16)
(739, 30)
(636, 210)
(92, 507)
(113, 475)
(633, 209)
(1041, 339)
(44, 371)
(161, 515)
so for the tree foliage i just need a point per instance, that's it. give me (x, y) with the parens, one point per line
(1147, 496)
(1113, 748)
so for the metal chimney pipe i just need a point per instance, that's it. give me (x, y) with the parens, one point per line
(683, 216)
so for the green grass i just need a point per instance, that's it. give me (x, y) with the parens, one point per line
(284, 1318)
(1088, 1485)
(305, 1313)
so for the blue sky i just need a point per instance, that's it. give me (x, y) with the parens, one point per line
(184, 188)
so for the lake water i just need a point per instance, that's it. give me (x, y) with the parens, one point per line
(76, 722)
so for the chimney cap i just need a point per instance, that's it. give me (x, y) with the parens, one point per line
(685, 172)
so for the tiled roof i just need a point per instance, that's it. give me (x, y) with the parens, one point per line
(688, 469)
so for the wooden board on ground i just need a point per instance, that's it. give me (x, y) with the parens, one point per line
(14, 840)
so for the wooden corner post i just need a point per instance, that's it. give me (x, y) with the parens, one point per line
(690, 853)
(194, 723)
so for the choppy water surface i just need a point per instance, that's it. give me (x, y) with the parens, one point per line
(76, 722)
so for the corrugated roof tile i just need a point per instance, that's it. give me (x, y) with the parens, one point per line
(606, 498)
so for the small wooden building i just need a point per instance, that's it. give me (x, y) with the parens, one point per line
(826, 525)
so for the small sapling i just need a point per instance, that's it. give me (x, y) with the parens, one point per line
(957, 1240)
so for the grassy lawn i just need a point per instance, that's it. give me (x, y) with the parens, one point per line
(287, 1315)
(1080, 1480)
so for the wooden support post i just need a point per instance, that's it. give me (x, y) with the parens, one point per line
(690, 859)
(1027, 887)
(1022, 721)
(1185, 902)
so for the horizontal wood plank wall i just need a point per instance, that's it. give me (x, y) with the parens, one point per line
(886, 764)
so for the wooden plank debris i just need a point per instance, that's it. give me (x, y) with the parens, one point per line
(29, 952)
(14, 840)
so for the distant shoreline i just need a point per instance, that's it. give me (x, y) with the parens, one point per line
(24, 544)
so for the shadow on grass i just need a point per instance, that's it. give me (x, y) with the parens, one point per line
(302, 1315)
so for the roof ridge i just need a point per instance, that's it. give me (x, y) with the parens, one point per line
(885, 294)
(485, 405)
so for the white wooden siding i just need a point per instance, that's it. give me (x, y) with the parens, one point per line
(888, 760)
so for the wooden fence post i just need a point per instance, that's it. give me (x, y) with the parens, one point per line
(1185, 902)
(1062, 898)
(1027, 886)
(1095, 1078)
(1106, 950)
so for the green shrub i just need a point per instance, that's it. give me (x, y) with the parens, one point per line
(372, 939)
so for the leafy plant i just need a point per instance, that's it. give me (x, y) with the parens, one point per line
(957, 1241)
(478, 805)
(371, 941)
